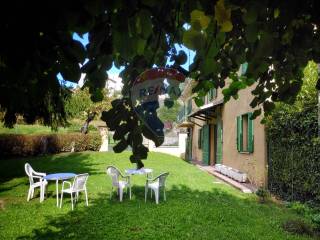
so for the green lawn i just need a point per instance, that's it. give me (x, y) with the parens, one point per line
(198, 206)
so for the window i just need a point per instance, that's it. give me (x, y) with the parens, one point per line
(212, 94)
(200, 138)
(245, 138)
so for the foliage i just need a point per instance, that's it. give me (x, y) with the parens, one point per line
(187, 213)
(169, 114)
(316, 221)
(276, 40)
(31, 145)
(298, 226)
(300, 208)
(294, 167)
(309, 212)
(263, 194)
(79, 105)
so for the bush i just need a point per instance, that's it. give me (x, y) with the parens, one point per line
(294, 156)
(300, 208)
(298, 226)
(31, 145)
(316, 221)
(263, 195)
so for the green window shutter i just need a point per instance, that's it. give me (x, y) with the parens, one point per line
(250, 133)
(239, 134)
(205, 144)
(199, 138)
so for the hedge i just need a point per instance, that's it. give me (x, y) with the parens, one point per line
(294, 154)
(32, 145)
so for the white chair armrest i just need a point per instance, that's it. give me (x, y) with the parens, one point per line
(38, 177)
(40, 173)
(67, 182)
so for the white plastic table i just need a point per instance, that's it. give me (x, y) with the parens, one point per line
(141, 171)
(56, 177)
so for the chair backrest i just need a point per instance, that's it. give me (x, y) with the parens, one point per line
(29, 171)
(80, 181)
(162, 179)
(114, 173)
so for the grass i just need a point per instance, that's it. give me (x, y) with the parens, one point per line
(198, 205)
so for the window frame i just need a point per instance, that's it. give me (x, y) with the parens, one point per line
(240, 134)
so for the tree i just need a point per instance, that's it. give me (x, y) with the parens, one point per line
(169, 114)
(79, 105)
(275, 38)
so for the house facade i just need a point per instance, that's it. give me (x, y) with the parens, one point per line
(224, 133)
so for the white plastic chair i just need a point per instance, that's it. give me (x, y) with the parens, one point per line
(155, 185)
(79, 185)
(119, 181)
(41, 183)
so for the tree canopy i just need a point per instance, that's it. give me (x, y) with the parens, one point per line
(275, 38)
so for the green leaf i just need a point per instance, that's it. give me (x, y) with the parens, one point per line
(251, 32)
(207, 66)
(70, 71)
(256, 113)
(213, 50)
(199, 101)
(199, 18)
(276, 13)
(220, 38)
(193, 39)
(141, 44)
(268, 106)
(121, 146)
(144, 24)
(168, 103)
(250, 16)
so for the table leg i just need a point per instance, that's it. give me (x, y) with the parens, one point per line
(57, 188)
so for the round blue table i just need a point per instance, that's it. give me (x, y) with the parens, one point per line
(56, 177)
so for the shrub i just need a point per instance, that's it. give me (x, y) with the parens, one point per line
(300, 208)
(263, 195)
(298, 226)
(31, 145)
(316, 221)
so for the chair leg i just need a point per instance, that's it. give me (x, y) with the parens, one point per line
(85, 191)
(145, 193)
(71, 200)
(61, 199)
(164, 194)
(32, 192)
(151, 193)
(29, 194)
(120, 193)
(156, 194)
(111, 192)
(130, 192)
(41, 193)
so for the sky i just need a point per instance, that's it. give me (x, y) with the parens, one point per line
(113, 73)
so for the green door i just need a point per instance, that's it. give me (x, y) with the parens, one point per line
(218, 142)
(206, 144)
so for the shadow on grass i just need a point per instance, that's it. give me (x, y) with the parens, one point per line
(75, 162)
(187, 214)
